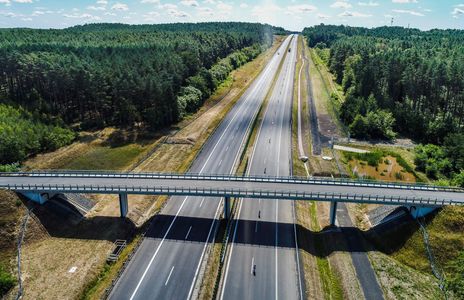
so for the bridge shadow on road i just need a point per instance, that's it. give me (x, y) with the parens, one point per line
(260, 234)
(263, 234)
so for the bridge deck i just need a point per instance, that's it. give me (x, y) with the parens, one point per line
(233, 186)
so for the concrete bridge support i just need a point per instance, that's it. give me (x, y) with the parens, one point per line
(226, 208)
(333, 212)
(123, 205)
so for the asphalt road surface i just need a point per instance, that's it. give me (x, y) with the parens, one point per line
(262, 262)
(236, 186)
(166, 264)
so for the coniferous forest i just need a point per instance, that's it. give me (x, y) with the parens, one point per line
(100, 75)
(397, 80)
(401, 81)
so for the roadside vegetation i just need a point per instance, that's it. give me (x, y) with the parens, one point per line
(122, 75)
(386, 103)
(23, 134)
(170, 150)
(169, 75)
(380, 164)
(396, 80)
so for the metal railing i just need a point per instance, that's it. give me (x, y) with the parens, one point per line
(233, 192)
(228, 177)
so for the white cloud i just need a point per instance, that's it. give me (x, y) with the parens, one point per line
(341, 4)
(192, 3)
(120, 7)
(404, 1)
(323, 16)
(150, 1)
(6, 2)
(22, 1)
(224, 7)
(178, 13)
(354, 14)
(102, 2)
(82, 16)
(243, 5)
(302, 8)
(27, 19)
(209, 2)
(38, 13)
(205, 11)
(92, 7)
(168, 6)
(457, 12)
(370, 3)
(410, 12)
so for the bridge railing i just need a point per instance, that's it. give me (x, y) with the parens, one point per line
(242, 193)
(228, 177)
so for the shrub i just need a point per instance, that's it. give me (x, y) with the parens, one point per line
(7, 281)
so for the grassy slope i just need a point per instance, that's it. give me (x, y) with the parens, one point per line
(405, 273)
(11, 213)
(320, 280)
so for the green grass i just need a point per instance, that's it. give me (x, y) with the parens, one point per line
(330, 282)
(406, 245)
(106, 158)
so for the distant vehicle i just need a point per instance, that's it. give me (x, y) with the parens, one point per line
(289, 49)
(304, 158)
(278, 53)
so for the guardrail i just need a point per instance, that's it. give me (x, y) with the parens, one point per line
(228, 177)
(239, 193)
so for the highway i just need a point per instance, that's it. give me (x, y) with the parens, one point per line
(263, 259)
(167, 263)
(322, 189)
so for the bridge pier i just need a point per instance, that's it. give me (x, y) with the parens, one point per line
(333, 212)
(226, 208)
(123, 205)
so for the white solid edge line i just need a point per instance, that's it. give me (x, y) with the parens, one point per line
(156, 252)
(267, 70)
(240, 209)
(180, 208)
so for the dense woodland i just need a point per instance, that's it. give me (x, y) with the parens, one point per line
(397, 80)
(113, 74)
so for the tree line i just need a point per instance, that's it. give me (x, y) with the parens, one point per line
(113, 74)
(23, 134)
(397, 80)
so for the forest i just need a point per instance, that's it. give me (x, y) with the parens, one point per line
(397, 80)
(400, 81)
(98, 75)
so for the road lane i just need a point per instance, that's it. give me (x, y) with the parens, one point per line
(163, 248)
(261, 237)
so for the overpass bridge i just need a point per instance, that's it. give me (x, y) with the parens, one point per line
(227, 186)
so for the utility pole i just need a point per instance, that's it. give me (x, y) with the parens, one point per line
(391, 23)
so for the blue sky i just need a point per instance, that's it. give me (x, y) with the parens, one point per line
(294, 14)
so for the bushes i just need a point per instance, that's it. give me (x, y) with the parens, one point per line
(21, 135)
(202, 85)
(6, 281)
(456, 281)
(376, 124)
